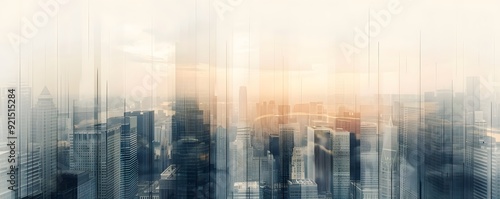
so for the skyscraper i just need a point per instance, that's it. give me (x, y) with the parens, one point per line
(129, 170)
(241, 155)
(287, 132)
(350, 121)
(495, 173)
(75, 185)
(475, 107)
(481, 181)
(340, 166)
(270, 177)
(437, 133)
(30, 181)
(28, 151)
(145, 148)
(194, 106)
(221, 163)
(323, 154)
(168, 187)
(369, 160)
(389, 186)
(408, 129)
(309, 164)
(96, 149)
(302, 188)
(190, 150)
(44, 129)
(298, 163)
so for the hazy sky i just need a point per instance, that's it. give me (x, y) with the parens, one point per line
(309, 39)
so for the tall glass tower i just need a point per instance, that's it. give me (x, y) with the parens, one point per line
(44, 130)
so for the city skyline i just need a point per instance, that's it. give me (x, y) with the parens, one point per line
(249, 99)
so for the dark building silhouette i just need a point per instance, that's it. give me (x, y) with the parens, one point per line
(190, 138)
(73, 184)
(323, 159)
(145, 147)
(128, 159)
(350, 121)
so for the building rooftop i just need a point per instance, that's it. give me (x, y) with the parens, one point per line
(170, 172)
(90, 128)
(45, 92)
(302, 182)
(245, 185)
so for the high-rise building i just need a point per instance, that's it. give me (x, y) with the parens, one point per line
(340, 166)
(356, 192)
(274, 150)
(30, 180)
(241, 156)
(298, 163)
(190, 150)
(389, 163)
(274, 145)
(481, 181)
(495, 173)
(75, 185)
(323, 140)
(436, 129)
(194, 106)
(458, 146)
(29, 155)
(129, 171)
(44, 129)
(24, 119)
(369, 160)
(408, 129)
(266, 173)
(167, 183)
(440, 138)
(145, 146)
(309, 164)
(221, 163)
(270, 174)
(350, 121)
(302, 188)
(475, 105)
(287, 132)
(96, 149)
